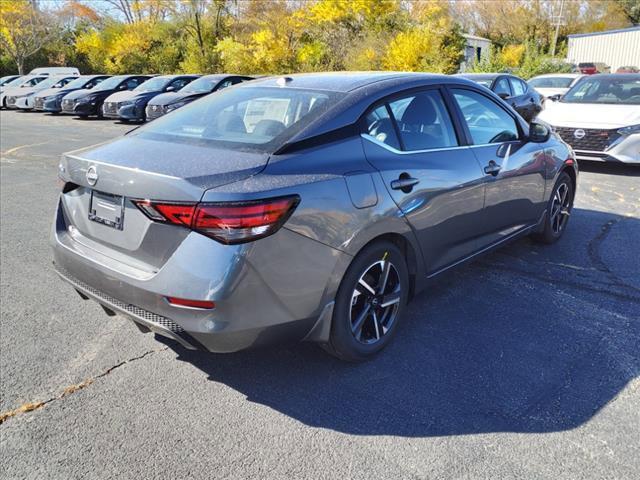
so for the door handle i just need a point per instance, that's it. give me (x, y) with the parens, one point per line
(405, 183)
(492, 169)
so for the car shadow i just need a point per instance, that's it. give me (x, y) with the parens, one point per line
(610, 168)
(530, 338)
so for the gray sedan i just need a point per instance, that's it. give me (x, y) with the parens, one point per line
(307, 207)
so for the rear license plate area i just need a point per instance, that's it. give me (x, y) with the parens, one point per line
(107, 209)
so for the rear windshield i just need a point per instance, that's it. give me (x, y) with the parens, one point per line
(251, 118)
(611, 89)
(551, 82)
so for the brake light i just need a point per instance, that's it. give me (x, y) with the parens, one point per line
(226, 222)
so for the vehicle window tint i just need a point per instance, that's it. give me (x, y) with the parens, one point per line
(502, 86)
(380, 126)
(133, 83)
(487, 121)
(424, 122)
(240, 118)
(94, 82)
(179, 83)
(518, 87)
(225, 84)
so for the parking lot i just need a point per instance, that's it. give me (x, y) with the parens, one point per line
(523, 364)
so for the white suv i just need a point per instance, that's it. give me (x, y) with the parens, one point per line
(600, 118)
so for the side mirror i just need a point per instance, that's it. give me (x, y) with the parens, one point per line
(538, 132)
(170, 88)
(123, 87)
(555, 98)
(503, 95)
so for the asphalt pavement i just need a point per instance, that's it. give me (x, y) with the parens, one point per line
(523, 364)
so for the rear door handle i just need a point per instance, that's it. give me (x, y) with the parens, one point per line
(492, 169)
(404, 183)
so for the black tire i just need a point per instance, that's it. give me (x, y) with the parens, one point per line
(555, 222)
(371, 337)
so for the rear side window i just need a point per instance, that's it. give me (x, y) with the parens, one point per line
(502, 86)
(423, 121)
(519, 88)
(380, 126)
(486, 120)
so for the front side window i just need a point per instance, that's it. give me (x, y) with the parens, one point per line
(518, 87)
(502, 87)
(424, 121)
(486, 120)
(379, 125)
(178, 83)
(244, 118)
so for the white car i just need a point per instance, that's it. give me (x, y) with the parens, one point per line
(23, 81)
(554, 84)
(58, 71)
(600, 118)
(23, 98)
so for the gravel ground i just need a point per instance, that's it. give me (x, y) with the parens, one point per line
(523, 364)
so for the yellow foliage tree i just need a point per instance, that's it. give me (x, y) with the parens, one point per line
(25, 30)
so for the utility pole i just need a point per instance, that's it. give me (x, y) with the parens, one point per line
(559, 20)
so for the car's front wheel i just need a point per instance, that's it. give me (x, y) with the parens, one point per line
(370, 301)
(558, 211)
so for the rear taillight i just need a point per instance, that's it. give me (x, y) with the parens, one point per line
(226, 222)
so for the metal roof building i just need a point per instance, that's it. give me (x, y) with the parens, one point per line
(616, 48)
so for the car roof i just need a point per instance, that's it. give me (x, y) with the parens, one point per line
(551, 75)
(480, 76)
(337, 81)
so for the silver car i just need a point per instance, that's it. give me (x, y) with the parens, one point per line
(307, 207)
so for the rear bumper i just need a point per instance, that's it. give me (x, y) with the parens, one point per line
(270, 291)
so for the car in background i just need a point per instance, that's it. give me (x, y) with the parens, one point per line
(26, 98)
(50, 100)
(554, 85)
(166, 102)
(25, 81)
(513, 90)
(7, 78)
(88, 102)
(131, 106)
(592, 68)
(48, 71)
(628, 69)
(304, 207)
(600, 118)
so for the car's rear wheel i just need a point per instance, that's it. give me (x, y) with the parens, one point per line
(369, 303)
(558, 211)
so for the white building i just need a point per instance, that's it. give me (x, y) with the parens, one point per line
(616, 48)
(475, 50)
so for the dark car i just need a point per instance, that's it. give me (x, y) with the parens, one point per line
(513, 90)
(50, 100)
(166, 102)
(130, 106)
(308, 207)
(86, 102)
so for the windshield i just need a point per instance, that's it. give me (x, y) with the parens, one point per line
(243, 118)
(110, 83)
(153, 85)
(612, 89)
(77, 83)
(18, 81)
(202, 85)
(551, 82)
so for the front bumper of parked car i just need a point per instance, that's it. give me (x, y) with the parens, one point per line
(285, 303)
(602, 144)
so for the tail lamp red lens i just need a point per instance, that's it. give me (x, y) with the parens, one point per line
(226, 222)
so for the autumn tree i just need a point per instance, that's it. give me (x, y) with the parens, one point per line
(25, 30)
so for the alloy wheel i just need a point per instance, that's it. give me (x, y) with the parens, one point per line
(375, 302)
(560, 208)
